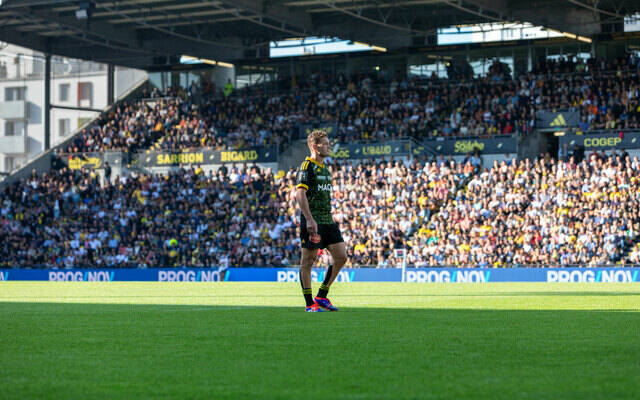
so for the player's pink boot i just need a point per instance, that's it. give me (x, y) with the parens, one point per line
(325, 303)
(313, 308)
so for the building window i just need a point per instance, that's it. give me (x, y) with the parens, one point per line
(15, 93)
(64, 127)
(85, 94)
(13, 128)
(63, 94)
(9, 163)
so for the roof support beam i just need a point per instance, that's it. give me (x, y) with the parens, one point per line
(562, 16)
(127, 38)
(278, 12)
(15, 4)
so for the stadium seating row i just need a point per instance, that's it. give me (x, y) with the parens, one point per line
(541, 212)
(368, 107)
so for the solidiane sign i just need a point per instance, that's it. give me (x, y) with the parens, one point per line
(497, 145)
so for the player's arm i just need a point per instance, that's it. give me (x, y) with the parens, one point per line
(303, 179)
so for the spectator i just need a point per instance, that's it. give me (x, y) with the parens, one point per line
(228, 88)
(107, 171)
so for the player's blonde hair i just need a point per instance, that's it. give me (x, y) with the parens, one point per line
(315, 136)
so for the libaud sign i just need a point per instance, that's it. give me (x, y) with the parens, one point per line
(394, 148)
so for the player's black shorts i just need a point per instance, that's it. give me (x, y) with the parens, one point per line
(329, 234)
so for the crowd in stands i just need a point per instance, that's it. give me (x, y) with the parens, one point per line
(362, 108)
(519, 212)
(606, 93)
(234, 217)
(187, 218)
(128, 127)
(564, 65)
(371, 107)
(379, 205)
(542, 212)
(177, 123)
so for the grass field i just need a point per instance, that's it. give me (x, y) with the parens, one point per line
(252, 341)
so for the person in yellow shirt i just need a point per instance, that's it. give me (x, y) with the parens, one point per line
(228, 88)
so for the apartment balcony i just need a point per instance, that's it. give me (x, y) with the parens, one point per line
(13, 144)
(14, 110)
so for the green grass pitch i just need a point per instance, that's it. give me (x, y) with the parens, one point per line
(253, 341)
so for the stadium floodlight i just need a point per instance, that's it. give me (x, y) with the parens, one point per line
(84, 10)
(184, 59)
(376, 48)
(572, 35)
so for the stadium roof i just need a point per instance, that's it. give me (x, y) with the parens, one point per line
(151, 33)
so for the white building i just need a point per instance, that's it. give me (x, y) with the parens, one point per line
(74, 83)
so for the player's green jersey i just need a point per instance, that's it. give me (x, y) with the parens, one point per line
(316, 179)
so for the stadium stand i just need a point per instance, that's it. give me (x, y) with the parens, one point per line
(542, 212)
(371, 108)
(188, 218)
(519, 212)
(67, 218)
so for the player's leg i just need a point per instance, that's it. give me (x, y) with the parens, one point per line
(309, 254)
(339, 254)
(308, 258)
